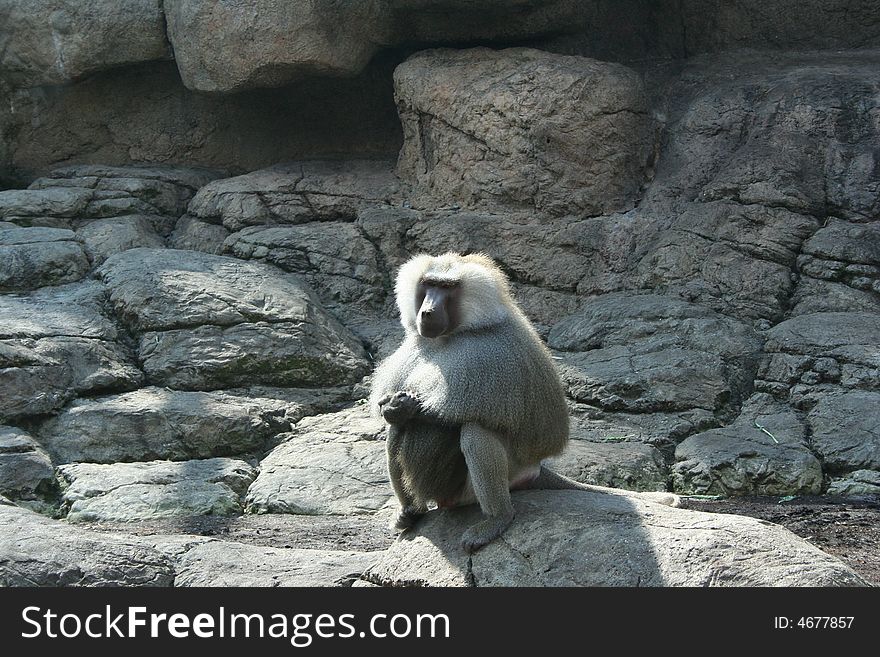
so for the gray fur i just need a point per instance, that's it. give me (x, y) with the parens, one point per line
(489, 382)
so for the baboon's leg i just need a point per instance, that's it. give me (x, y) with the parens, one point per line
(487, 464)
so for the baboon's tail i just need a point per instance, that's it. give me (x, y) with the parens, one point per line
(549, 480)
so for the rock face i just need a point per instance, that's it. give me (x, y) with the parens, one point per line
(157, 423)
(64, 40)
(158, 489)
(25, 468)
(208, 322)
(330, 464)
(484, 128)
(597, 539)
(221, 563)
(36, 257)
(36, 551)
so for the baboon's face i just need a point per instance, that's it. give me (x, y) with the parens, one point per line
(437, 306)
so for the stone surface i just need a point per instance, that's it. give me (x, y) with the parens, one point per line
(297, 192)
(222, 563)
(56, 343)
(648, 353)
(810, 356)
(336, 259)
(282, 41)
(860, 482)
(764, 452)
(36, 551)
(43, 207)
(64, 40)
(35, 257)
(846, 431)
(156, 423)
(25, 468)
(571, 538)
(212, 322)
(193, 234)
(484, 128)
(629, 465)
(106, 237)
(328, 464)
(156, 489)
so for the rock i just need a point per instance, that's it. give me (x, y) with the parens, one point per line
(736, 258)
(819, 296)
(284, 42)
(634, 466)
(38, 376)
(337, 260)
(56, 343)
(155, 423)
(648, 353)
(276, 43)
(36, 551)
(789, 132)
(63, 41)
(860, 482)
(75, 310)
(845, 252)
(845, 431)
(43, 207)
(328, 464)
(297, 192)
(764, 452)
(106, 237)
(225, 563)
(139, 189)
(661, 430)
(36, 257)
(485, 128)
(217, 322)
(196, 235)
(25, 469)
(158, 489)
(573, 538)
(809, 356)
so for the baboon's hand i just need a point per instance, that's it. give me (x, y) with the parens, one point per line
(399, 407)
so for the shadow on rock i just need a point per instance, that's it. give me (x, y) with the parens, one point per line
(574, 538)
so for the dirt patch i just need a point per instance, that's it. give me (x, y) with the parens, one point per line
(281, 531)
(848, 528)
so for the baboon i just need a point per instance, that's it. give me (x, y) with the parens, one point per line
(472, 397)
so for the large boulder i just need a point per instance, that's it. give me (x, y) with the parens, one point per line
(329, 464)
(297, 192)
(62, 41)
(845, 430)
(55, 343)
(36, 551)
(25, 468)
(275, 43)
(225, 563)
(764, 452)
(208, 322)
(485, 128)
(156, 489)
(36, 257)
(649, 353)
(157, 423)
(574, 538)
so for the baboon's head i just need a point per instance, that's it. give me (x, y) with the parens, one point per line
(439, 296)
